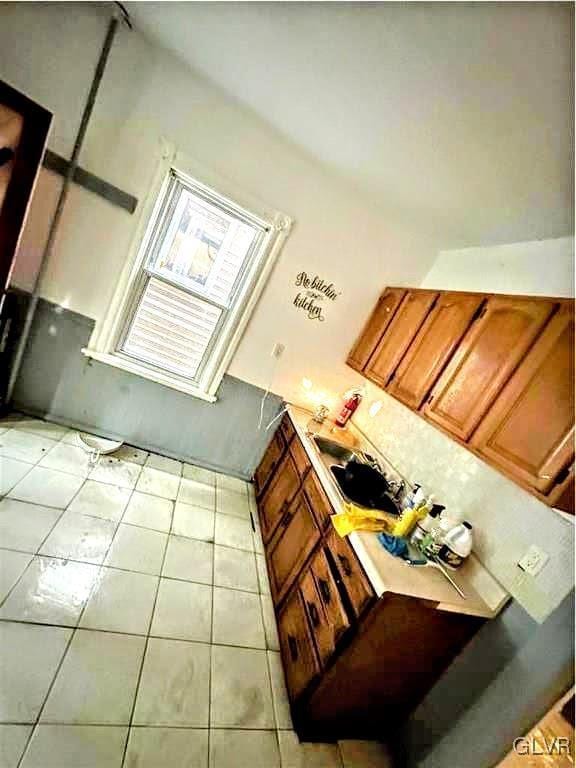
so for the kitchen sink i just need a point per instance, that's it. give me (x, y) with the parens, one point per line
(334, 450)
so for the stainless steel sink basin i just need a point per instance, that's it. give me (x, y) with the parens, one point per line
(335, 450)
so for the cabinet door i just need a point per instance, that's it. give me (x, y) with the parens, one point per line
(350, 575)
(377, 323)
(326, 613)
(295, 538)
(300, 456)
(433, 346)
(300, 662)
(318, 500)
(484, 361)
(398, 336)
(269, 462)
(276, 500)
(529, 431)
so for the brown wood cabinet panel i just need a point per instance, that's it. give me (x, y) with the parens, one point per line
(399, 334)
(269, 462)
(295, 538)
(433, 346)
(399, 652)
(300, 456)
(300, 663)
(350, 574)
(484, 361)
(318, 500)
(377, 323)
(324, 607)
(529, 431)
(281, 490)
(287, 429)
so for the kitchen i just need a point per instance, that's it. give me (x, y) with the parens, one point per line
(325, 253)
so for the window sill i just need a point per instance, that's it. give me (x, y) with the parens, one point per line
(140, 370)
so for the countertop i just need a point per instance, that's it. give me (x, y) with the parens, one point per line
(484, 595)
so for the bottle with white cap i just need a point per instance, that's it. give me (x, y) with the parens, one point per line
(457, 545)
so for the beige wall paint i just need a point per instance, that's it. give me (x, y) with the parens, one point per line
(506, 519)
(49, 51)
(535, 268)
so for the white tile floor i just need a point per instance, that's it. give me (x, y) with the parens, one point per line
(136, 626)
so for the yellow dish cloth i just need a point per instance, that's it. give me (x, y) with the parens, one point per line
(357, 519)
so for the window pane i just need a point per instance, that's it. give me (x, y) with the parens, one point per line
(204, 247)
(171, 329)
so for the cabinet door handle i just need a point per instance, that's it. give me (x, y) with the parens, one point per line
(324, 591)
(314, 616)
(345, 563)
(293, 646)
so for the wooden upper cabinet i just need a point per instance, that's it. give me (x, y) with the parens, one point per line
(529, 431)
(377, 323)
(399, 334)
(433, 346)
(484, 361)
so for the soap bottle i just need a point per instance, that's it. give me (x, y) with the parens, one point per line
(457, 545)
(410, 516)
(425, 525)
(433, 540)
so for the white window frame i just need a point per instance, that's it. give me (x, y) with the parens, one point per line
(103, 345)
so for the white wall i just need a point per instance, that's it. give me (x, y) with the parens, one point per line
(49, 51)
(535, 268)
(506, 519)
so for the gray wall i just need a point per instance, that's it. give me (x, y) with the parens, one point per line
(504, 681)
(58, 382)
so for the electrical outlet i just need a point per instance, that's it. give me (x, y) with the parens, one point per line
(277, 350)
(533, 560)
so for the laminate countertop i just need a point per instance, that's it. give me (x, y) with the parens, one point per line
(484, 595)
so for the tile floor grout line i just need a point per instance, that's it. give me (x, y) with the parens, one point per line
(146, 643)
(144, 573)
(34, 556)
(64, 655)
(154, 636)
(211, 629)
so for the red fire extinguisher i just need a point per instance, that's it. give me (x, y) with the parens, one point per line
(348, 408)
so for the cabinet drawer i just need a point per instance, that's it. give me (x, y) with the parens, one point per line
(287, 429)
(278, 496)
(295, 538)
(298, 653)
(318, 500)
(350, 575)
(300, 456)
(269, 462)
(324, 607)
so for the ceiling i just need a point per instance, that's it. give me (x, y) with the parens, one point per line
(456, 116)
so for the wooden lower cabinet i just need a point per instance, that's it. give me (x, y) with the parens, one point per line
(278, 496)
(269, 462)
(295, 538)
(354, 664)
(301, 664)
(395, 656)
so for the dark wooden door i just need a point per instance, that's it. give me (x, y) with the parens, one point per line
(281, 490)
(399, 334)
(484, 361)
(377, 323)
(433, 346)
(296, 536)
(300, 662)
(529, 431)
